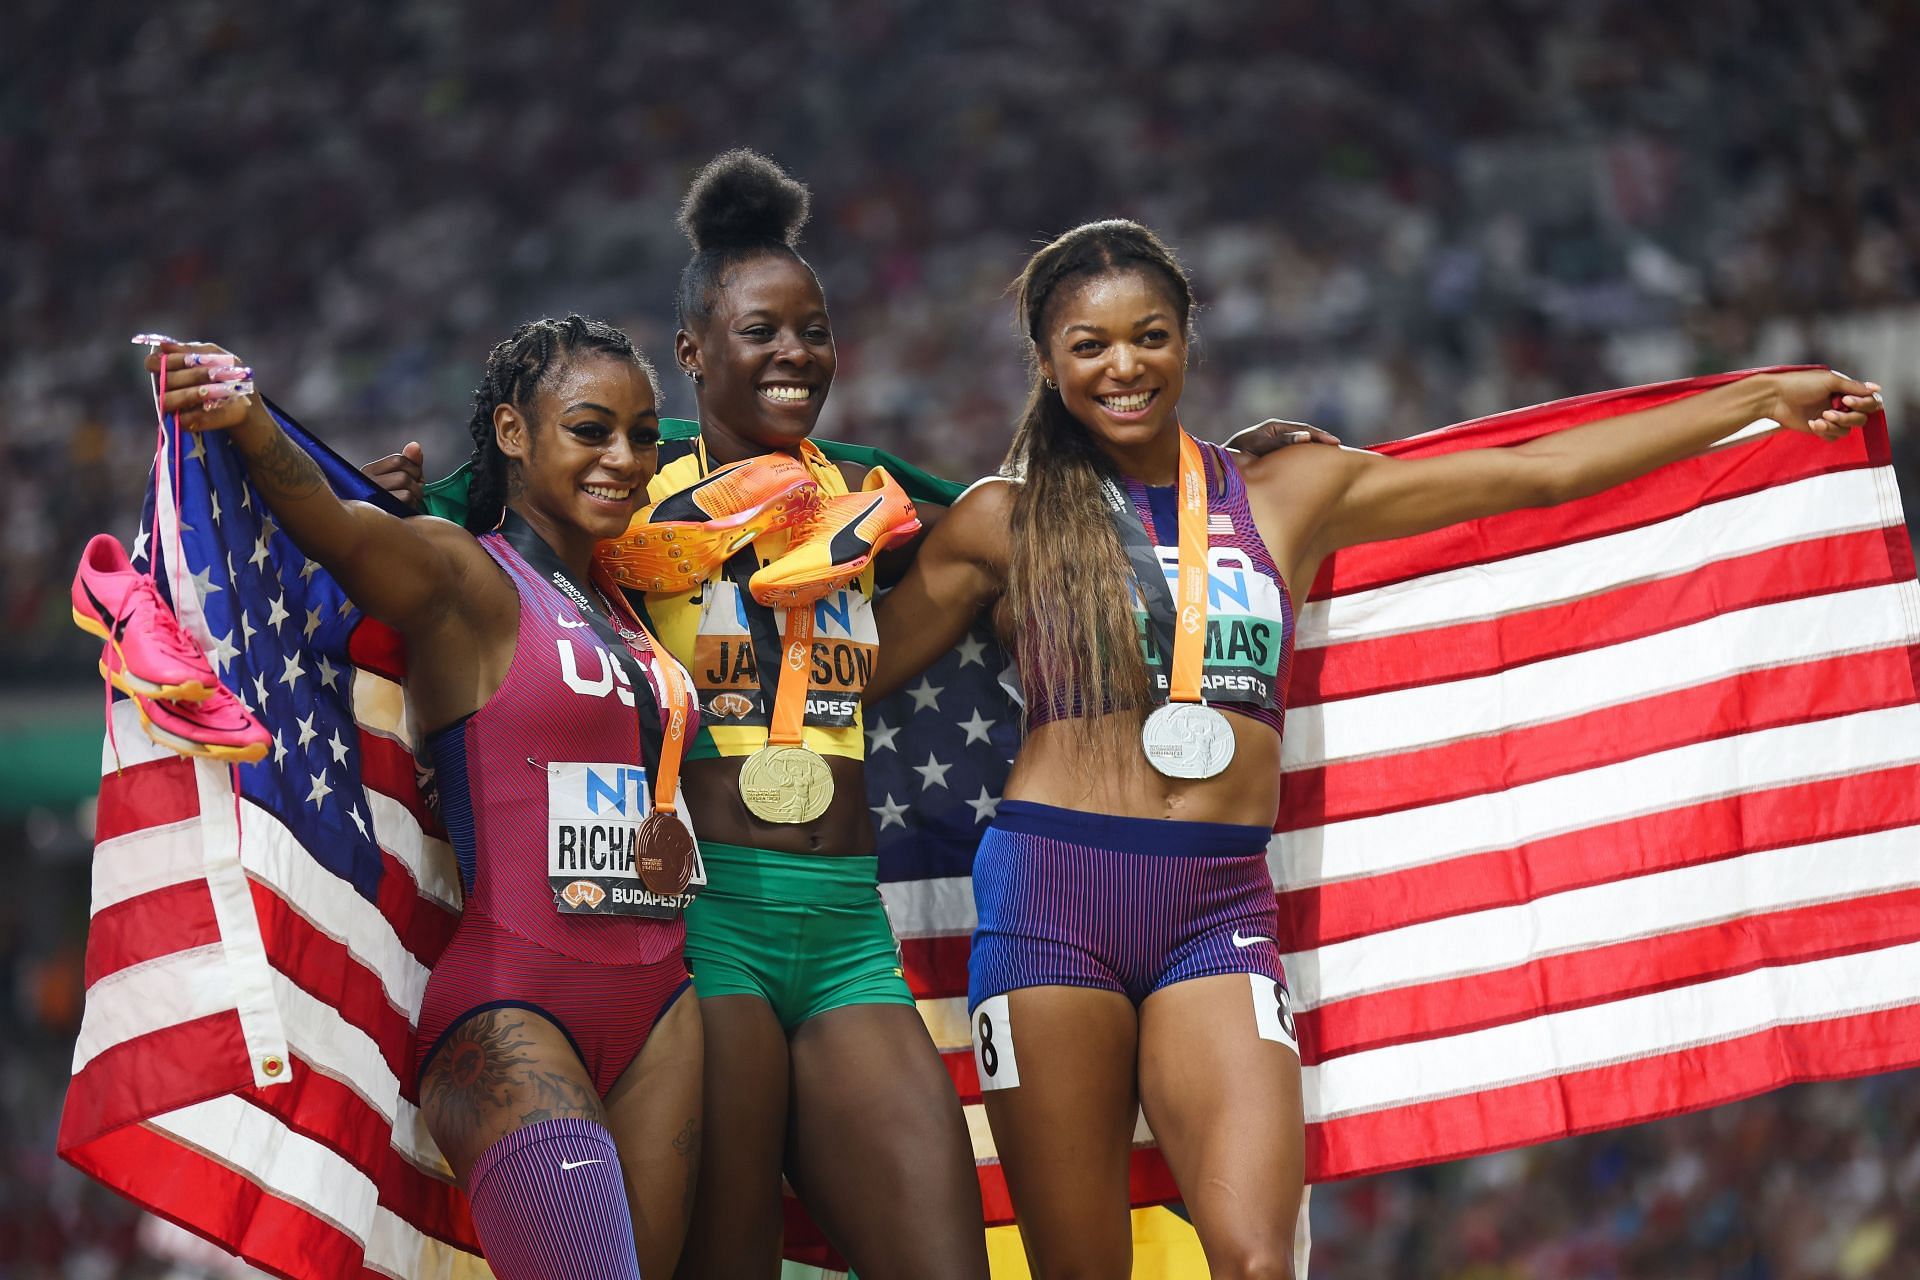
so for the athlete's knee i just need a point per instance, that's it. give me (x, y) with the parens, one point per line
(1251, 1263)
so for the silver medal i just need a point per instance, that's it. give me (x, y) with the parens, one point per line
(1188, 740)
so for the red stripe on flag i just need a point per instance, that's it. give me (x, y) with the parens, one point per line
(154, 793)
(319, 1107)
(387, 767)
(1743, 703)
(1449, 1006)
(212, 1200)
(1792, 572)
(1660, 495)
(1823, 810)
(379, 649)
(424, 925)
(154, 1073)
(175, 918)
(323, 967)
(1624, 1093)
(936, 968)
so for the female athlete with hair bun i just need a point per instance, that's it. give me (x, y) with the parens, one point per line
(817, 1062)
(558, 1070)
(1126, 951)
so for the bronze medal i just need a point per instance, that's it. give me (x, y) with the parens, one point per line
(663, 851)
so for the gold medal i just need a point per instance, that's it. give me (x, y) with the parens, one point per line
(787, 781)
(783, 782)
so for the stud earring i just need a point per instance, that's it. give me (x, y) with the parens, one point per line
(1051, 384)
(693, 374)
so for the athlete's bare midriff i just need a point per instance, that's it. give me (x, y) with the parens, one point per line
(1054, 769)
(713, 793)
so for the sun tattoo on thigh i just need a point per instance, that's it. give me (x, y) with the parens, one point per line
(487, 1069)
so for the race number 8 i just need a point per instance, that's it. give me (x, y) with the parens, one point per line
(993, 1045)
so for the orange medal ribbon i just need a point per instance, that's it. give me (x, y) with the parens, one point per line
(796, 672)
(1190, 596)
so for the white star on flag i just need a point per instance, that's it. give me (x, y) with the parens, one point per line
(977, 727)
(260, 553)
(890, 814)
(338, 748)
(972, 650)
(203, 582)
(880, 736)
(320, 789)
(140, 546)
(223, 653)
(925, 694)
(307, 733)
(358, 821)
(259, 692)
(313, 622)
(277, 611)
(987, 806)
(291, 676)
(327, 672)
(246, 629)
(279, 749)
(932, 773)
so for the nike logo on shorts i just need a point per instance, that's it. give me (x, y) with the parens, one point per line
(561, 619)
(575, 1164)
(1239, 941)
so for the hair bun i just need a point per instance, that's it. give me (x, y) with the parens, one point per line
(742, 200)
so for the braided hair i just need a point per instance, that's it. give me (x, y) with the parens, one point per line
(515, 370)
(1068, 576)
(738, 207)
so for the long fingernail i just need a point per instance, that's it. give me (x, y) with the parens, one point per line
(240, 374)
(148, 339)
(212, 360)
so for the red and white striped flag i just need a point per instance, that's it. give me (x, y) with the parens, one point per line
(261, 935)
(1591, 814)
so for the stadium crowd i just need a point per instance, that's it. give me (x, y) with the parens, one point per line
(1505, 202)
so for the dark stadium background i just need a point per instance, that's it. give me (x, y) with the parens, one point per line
(1398, 214)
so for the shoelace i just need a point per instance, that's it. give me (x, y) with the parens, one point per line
(172, 637)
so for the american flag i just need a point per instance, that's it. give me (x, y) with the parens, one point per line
(261, 934)
(1591, 815)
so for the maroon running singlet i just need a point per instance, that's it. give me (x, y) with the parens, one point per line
(605, 980)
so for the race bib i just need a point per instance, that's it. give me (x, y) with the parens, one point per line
(594, 812)
(726, 673)
(1246, 639)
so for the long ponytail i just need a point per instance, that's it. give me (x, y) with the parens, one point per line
(1069, 582)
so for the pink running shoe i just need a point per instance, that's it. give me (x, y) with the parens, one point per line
(148, 654)
(215, 728)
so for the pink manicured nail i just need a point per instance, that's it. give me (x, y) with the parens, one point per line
(148, 339)
(232, 375)
(211, 360)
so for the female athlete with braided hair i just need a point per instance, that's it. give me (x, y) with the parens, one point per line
(558, 1070)
(1126, 951)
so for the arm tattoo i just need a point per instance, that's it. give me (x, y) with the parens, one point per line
(490, 1074)
(284, 470)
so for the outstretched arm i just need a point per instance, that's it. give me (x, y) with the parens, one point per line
(1367, 497)
(960, 570)
(407, 573)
